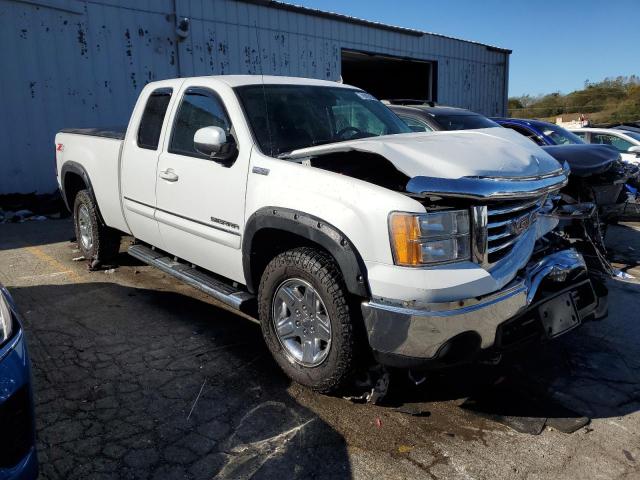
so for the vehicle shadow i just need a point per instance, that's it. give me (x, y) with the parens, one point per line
(134, 383)
(592, 372)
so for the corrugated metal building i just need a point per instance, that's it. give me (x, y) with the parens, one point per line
(76, 63)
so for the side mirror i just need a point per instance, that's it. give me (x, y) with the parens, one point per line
(635, 149)
(418, 128)
(209, 141)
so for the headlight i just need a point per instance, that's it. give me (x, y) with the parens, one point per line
(5, 319)
(430, 238)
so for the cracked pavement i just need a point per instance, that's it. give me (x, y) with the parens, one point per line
(139, 376)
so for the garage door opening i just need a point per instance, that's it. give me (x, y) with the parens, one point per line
(389, 77)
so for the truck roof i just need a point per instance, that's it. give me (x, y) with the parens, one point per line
(243, 80)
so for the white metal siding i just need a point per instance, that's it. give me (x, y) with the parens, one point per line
(72, 63)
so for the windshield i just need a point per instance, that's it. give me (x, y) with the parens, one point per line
(559, 135)
(300, 116)
(463, 121)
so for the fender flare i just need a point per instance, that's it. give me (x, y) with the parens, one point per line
(74, 167)
(311, 228)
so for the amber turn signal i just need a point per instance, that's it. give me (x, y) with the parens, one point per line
(405, 235)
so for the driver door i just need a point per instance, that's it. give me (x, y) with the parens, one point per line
(200, 201)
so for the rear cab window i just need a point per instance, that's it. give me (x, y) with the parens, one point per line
(153, 118)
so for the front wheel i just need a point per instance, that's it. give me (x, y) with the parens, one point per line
(306, 320)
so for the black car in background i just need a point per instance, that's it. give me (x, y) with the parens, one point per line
(427, 116)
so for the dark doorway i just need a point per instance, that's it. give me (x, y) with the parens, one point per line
(389, 77)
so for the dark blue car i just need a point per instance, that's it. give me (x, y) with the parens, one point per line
(564, 146)
(17, 433)
(542, 133)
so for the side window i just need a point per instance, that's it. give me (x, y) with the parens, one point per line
(152, 119)
(199, 108)
(582, 135)
(415, 124)
(618, 143)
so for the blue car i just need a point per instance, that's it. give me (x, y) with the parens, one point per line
(542, 133)
(18, 459)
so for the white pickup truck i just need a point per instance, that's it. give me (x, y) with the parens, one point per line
(312, 205)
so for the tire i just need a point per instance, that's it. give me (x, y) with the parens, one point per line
(332, 367)
(97, 242)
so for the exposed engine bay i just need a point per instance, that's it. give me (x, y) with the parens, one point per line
(369, 167)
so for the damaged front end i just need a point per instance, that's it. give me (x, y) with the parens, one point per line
(543, 286)
(594, 197)
(534, 283)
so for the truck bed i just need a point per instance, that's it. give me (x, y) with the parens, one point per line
(97, 151)
(116, 133)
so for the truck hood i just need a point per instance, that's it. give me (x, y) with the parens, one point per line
(487, 152)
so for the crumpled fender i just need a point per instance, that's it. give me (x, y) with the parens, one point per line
(584, 160)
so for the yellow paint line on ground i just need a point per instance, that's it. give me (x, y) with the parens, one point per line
(44, 275)
(53, 263)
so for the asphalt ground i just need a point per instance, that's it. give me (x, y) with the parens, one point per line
(139, 376)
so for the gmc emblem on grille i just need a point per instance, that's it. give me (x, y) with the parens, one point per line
(519, 225)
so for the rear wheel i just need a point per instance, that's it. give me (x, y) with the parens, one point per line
(97, 242)
(306, 320)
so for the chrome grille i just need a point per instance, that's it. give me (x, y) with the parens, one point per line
(501, 226)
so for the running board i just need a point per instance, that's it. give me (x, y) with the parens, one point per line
(218, 289)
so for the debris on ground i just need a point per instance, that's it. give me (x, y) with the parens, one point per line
(416, 378)
(110, 271)
(413, 409)
(20, 216)
(195, 402)
(568, 425)
(620, 275)
(405, 449)
(376, 385)
(78, 259)
(21, 207)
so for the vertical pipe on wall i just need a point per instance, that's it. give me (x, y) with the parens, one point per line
(505, 104)
(175, 17)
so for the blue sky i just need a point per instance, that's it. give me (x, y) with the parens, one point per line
(557, 44)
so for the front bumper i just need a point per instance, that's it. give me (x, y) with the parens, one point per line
(402, 335)
(18, 459)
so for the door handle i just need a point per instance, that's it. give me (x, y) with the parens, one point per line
(169, 175)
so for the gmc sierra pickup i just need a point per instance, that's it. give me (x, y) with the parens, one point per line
(311, 204)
